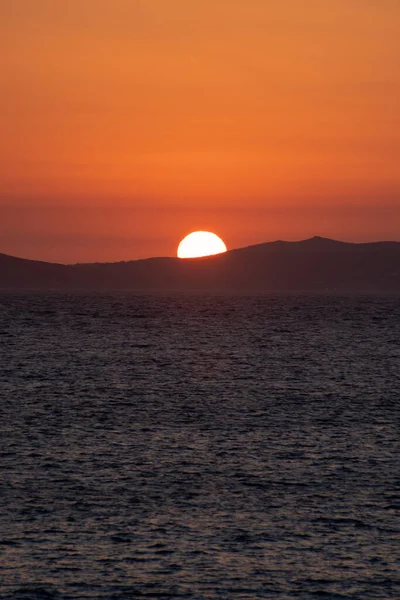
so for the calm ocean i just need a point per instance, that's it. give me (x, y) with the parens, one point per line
(199, 447)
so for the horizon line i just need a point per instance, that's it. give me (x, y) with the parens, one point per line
(279, 241)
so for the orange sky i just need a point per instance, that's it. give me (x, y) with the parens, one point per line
(125, 124)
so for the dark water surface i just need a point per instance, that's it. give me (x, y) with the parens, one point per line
(199, 447)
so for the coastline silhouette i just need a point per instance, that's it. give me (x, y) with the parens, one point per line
(312, 265)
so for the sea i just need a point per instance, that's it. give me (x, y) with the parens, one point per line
(199, 447)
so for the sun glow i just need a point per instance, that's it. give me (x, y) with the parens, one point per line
(200, 243)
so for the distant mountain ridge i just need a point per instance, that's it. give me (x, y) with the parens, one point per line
(313, 265)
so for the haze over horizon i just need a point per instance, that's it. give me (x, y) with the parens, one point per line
(128, 124)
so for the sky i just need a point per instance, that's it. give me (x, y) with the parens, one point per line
(126, 124)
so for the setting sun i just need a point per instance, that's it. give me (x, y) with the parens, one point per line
(200, 243)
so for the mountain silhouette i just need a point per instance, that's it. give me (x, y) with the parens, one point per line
(312, 265)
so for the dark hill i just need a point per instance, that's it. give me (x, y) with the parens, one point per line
(316, 264)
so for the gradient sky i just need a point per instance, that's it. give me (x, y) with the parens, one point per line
(126, 124)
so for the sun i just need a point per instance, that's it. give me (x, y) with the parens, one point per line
(200, 243)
